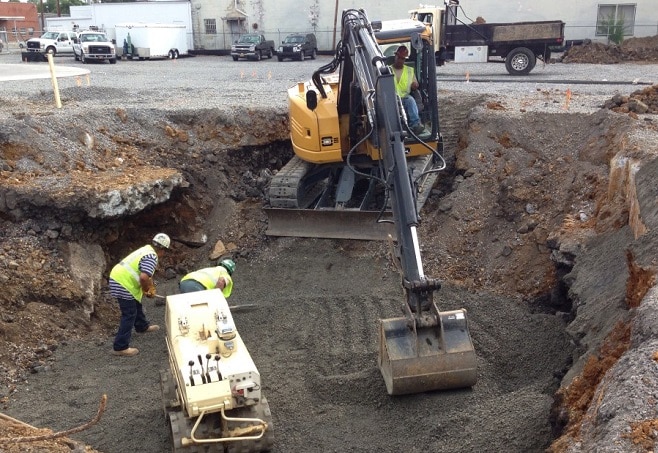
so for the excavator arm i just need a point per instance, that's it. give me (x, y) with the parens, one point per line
(425, 349)
(364, 65)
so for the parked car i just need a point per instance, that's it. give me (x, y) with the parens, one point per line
(53, 42)
(297, 46)
(94, 45)
(252, 46)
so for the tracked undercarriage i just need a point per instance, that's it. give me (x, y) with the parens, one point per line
(309, 200)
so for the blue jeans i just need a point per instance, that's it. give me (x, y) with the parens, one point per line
(410, 106)
(190, 286)
(132, 315)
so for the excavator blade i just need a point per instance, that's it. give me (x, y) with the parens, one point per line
(431, 359)
(329, 224)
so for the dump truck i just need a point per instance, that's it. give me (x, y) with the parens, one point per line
(212, 392)
(517, 44)
(356, 154)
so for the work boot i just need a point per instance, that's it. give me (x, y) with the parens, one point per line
(126, 352)
(151, 328)
(420, 130)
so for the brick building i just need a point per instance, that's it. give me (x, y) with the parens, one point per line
(18, 22)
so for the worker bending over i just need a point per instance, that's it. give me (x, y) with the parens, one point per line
(210, 278)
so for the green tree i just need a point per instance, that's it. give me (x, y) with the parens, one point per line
(50, 6)
(613, 28)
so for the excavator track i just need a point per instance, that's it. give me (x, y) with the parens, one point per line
(287, 188)
(295, 210)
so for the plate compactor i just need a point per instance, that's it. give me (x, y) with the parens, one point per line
(212, 392)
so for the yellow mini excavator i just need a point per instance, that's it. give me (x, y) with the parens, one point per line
(334, 186)
(361, 172)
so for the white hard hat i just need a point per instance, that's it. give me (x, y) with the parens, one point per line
(161, 240)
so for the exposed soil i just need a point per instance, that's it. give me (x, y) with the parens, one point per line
(524, 195)
(631, 49)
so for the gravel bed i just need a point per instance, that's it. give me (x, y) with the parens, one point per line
(177, 84)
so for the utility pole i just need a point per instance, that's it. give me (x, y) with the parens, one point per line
(333, 45)
(43, 22)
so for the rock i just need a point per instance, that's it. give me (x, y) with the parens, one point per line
(87, 265)
(218, 250)
(637, 106)
(445, 205)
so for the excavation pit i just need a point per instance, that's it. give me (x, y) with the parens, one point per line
(541, 229)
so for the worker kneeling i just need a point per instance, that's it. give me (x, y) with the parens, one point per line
(210, 278)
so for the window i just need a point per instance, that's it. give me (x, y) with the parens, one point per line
(211, 26)
(615, 19)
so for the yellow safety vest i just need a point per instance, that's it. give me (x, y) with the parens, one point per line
(403, 84)
(208, 278)
(126, 273)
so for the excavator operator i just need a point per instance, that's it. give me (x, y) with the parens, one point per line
(405, 84)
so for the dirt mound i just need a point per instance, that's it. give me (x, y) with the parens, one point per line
(639, 102)
(632, 49)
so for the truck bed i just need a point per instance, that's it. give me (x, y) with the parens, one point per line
(487, 34)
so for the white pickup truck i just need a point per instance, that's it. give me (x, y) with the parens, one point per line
(94, 45)
(53, 42)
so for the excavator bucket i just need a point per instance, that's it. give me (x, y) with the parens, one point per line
(415, 359)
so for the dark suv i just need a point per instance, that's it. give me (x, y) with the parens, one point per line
(297, 46)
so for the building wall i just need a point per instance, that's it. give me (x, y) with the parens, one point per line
(215, 24)
(277, 18)
(19, 30)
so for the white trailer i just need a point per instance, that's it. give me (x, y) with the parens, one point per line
(105, 16)
(149, 40)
